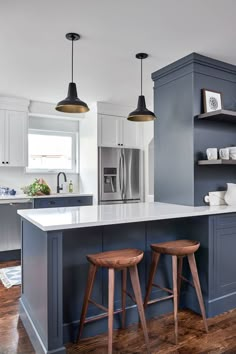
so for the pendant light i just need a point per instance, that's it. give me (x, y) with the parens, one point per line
(141, 113)
(72, 104)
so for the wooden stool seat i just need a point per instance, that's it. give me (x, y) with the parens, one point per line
(116, 259)
(176, 248)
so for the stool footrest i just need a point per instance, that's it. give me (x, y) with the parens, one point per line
(160, 287)
(98, 305)
(130, 296)
(99, 317)
(150, 302)
(187, 281)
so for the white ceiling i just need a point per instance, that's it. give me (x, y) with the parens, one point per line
(35, 56)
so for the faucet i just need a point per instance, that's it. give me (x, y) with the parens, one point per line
(58, 185)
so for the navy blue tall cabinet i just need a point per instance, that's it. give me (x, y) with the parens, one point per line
(181, 139)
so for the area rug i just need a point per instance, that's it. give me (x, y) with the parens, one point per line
(10, 276)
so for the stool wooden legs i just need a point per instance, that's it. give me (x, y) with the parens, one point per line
(175, 295)
(153, 269)
(111, 288)
(193, 268)
(179, 279)
(123, 297)
(88, 291)
(138, 297)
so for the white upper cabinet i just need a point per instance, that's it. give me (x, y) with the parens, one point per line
(132, 134)
(117, 131)
(13, 138)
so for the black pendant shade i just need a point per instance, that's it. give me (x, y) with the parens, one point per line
(141, 113)
(72, 104)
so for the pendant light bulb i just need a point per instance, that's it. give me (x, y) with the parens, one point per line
(72, 104)
(141, 113)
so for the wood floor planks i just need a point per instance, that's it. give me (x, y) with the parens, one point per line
(192, 337)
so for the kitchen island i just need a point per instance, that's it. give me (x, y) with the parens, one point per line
(55, 243)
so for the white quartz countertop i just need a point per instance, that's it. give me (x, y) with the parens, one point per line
(98, 215)
(23, 198)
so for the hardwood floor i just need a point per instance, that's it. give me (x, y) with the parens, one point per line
(192, 337)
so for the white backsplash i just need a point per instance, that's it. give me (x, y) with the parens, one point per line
(16, 178)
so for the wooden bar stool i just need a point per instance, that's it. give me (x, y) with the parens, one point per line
(177, 249)
(114, 260)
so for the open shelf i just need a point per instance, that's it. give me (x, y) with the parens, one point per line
(220, 115)
(217, 162)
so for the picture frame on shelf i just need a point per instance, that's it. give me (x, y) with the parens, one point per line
(212, 100)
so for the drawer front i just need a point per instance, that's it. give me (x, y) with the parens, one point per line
(79, 201)
(226, 220)
(49, 203)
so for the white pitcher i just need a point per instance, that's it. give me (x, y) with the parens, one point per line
(230, 195)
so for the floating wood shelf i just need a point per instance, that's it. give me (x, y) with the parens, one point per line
(217, 162)
(220, 115)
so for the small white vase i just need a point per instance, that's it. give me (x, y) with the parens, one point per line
(230, 195)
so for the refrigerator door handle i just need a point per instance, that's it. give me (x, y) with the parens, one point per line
(124, 176)
(120, 163)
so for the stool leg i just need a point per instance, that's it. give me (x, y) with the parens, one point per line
(111, 288)
(88, 291)
(175, 293)
(179, 280)
(154, 264)
(138, 297)
(193, 268)
(123, 296)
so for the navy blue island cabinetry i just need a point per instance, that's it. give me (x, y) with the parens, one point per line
(55, 243)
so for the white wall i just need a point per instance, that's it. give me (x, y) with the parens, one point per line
(15, 177)
(89, 153)
(148, 134)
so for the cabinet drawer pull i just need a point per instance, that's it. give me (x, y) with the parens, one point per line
(51, 202)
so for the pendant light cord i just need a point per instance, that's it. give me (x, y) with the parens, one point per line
(72, 60)
(141, 77)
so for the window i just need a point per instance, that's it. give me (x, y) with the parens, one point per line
(50, 151)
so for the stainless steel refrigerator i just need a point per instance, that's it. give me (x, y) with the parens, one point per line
(119, 175)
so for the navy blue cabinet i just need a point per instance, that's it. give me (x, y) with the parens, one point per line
(58, 202)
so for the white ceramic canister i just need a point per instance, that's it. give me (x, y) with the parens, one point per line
(230, 195)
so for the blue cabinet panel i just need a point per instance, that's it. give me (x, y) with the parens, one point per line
(79, 201)
(57, 202)
(49, 203)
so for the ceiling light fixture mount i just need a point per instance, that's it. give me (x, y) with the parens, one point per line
(72, 104)
(141, 113)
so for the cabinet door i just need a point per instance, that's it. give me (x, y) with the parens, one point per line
(2, 137)
(17, 138)
(131, 133)
(79, 201)
(109, 131)
(49, 202)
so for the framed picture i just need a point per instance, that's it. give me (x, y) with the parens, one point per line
(212, 100)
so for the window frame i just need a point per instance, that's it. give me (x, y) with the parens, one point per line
(75, 151)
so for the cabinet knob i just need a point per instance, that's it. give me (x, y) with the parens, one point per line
(3, 162)
(7, 162)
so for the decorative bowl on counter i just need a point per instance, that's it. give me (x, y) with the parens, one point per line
(230, 195)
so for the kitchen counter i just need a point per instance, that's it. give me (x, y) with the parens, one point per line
(98, 215)
(22, 198)
(55, 243)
